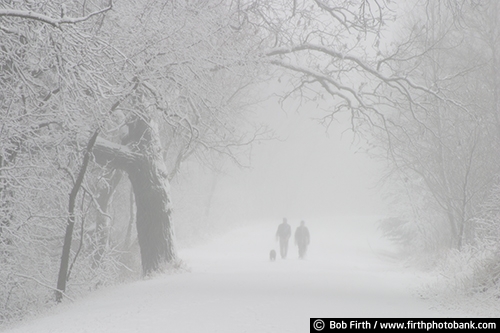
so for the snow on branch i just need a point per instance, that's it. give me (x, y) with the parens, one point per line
(44, 285)
(114, 154)
(403, 84)
(333, 54)
(323, 78)
(56, 22)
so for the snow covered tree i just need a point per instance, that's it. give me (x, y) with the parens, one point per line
(449, 154)
(149, 76)
(47, 78)
(189, 66)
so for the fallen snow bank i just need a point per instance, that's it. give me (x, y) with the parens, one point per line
(233, 287)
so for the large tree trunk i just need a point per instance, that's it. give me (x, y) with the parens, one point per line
(153, 216)
(148, 175)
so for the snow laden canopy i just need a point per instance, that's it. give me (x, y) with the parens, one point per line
(159, 82)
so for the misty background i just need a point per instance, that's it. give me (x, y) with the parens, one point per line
(308, 171)
(143, 138)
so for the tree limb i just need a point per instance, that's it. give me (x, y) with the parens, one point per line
(55, 22)
(115, 155)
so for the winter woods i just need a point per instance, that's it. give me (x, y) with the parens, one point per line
(443, 165)
(419, 82)
(158, 82)
(166, 83)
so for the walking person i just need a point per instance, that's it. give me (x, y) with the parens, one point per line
(283, 234)
(302, 239)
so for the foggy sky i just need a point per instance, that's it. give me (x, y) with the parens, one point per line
(309, 172)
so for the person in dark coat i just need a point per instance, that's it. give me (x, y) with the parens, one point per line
(283, 234)
(302, 239)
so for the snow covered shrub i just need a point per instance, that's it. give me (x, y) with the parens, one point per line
(469, 277)
(482, 239)
(471, 269)
(463, 282)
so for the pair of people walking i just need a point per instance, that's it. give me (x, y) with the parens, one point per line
(302, 239)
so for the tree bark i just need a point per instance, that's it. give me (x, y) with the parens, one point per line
(147, 173)
(153, 216)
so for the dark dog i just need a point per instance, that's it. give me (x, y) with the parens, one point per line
(272, 255)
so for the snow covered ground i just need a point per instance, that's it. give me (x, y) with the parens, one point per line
(231, 286)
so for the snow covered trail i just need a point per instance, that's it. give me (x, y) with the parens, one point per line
(233, 287)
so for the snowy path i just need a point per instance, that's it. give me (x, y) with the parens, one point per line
(233, 287)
